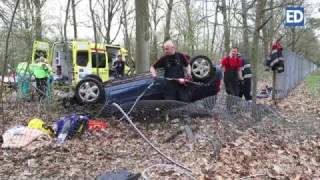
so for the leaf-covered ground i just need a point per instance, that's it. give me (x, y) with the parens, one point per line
(271, 149)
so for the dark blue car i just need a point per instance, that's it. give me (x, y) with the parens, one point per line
(206, 82)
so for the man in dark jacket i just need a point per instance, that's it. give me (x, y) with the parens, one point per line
(176, 67)
(275, 61)
(245, 84)
(118, 66)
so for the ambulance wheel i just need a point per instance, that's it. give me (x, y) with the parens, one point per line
(201, 68)
(89, 91)
(93, 76)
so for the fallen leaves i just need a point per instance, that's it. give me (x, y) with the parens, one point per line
(270, 149)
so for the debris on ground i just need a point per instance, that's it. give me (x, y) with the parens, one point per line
(287, 148)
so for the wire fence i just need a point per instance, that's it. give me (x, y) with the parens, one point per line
(296, 68)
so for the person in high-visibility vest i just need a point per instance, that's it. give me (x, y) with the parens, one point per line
(41, 71)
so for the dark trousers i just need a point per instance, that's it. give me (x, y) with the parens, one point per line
(174, 91)
(118, 73)
(41, 87)
(231, 82)
(245, 89)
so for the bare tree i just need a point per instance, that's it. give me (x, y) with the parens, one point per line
(190, 26)
(94, 34)
(215, 25)
(225, 26)
(168, 19)
(156, 18)
(258, 25)
(67, 52)
(74, 17)
(127, 38)
(109, 10)
(6, 55)
(245, 32)
(142, 35)
(38, 24)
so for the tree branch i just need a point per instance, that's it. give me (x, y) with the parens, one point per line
(264, 23)
(6, 56)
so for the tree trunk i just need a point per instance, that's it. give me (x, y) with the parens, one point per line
(168, 20)
(6, 59)
(95, 36)
(109, 21)
(255, 45)
(245, 28)
(38, 24)
(207, 28)
(66, 23)
(293, 38)
(271, 28)
(142, 36)
(265, 37)
(215, 26)
(155, 7)
(127, 39)
(66, 50)
(190, 33)
(26, 12)
(75, 32)
(226, 27)
(154, 51)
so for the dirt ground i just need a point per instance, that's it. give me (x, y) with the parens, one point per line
(270, 149)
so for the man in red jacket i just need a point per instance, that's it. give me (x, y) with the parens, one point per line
(231, 66)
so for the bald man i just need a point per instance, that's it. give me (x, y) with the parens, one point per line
(176, 65)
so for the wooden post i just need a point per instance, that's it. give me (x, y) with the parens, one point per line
(274, 79)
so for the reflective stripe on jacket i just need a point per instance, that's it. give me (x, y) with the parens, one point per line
(246, 69)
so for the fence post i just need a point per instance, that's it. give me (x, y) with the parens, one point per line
(274, 78)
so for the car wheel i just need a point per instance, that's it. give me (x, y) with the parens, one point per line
(89, 91)
(201, 68)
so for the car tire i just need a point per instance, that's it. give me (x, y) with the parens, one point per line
(201, 68)
(89, 91)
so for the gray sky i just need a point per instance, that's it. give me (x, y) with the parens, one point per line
(55, 13)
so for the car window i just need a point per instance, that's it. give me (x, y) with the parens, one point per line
(82, 58)
(102, 60)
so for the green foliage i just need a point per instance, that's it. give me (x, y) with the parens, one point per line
(313, 83)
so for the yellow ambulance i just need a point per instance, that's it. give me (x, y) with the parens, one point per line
(84, 59)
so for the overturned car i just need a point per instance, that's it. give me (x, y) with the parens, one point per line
(206, 82)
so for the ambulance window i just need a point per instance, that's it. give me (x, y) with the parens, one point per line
(102, 60)
(39, 53)
(82, 58)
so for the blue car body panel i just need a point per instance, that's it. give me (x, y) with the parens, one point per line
(128, 89)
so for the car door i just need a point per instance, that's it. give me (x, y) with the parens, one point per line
(81, 60)
(99, 62)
